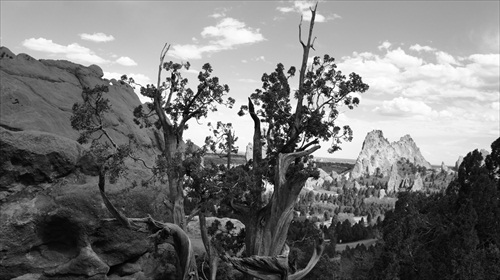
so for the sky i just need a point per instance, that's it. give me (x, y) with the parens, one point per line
(432, 66)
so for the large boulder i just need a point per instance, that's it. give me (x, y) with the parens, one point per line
(52, 218)
(378, 154)
(59, 234)
(39, 95)
(34, 157)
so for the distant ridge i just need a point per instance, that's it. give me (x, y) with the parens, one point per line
(338, 160)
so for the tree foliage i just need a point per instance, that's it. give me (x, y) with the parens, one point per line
(109, 161)
(291, 125)
(447, 236)
(173, 105)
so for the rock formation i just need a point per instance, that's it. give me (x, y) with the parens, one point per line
(394, 179)
(312, 183)
(444, 168)
(459, 161)
(405, 183)
(418, 184)
(381, 193)
(51, 222)
(378, 155)
(249, 151)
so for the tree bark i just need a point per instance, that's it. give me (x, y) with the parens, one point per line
(213, 259)
(161, 232)
(268, 230)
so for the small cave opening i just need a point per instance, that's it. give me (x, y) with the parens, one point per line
(60, 235)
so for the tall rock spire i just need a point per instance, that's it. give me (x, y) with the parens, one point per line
(379, 154)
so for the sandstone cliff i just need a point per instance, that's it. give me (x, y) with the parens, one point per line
(51, 212)
(379, 155)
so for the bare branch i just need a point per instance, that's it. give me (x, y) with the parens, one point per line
(193, 213)
(300, 33)
(140, 160)
(300, 94)
(109, 138)
(257, 145)
(157, 95)
(312, 44)
(314, 142)
(284, 161)
(320, 247)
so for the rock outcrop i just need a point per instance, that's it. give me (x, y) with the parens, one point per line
(249, 151)
(459, 162)
(39, 95)
(418, 184)
(51, 213)
(378, 155)
(36, 157)
(394, 179)
(444, 168)
(314, 184)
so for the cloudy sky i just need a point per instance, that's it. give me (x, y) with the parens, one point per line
(432, 67)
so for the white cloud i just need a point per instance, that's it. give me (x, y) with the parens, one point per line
(418, 110)
(73, 52)
(400, 59)
(227, 34)
(445, 58)
(475, 77)
(97, 37)
(126, 61)
(191, 51)
(303, 8)
(495, 105)
(420, 48)
(286, 9)
(230, 32)
(219, 13)
(486, 59)
(385, 45)
(402, 106)
(260, 58)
